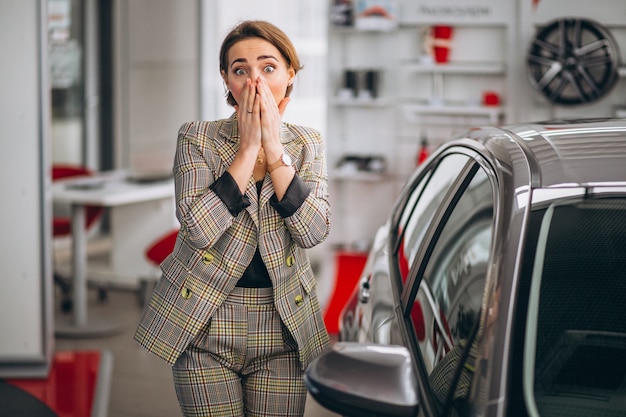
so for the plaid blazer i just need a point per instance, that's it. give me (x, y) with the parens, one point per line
(213, 248)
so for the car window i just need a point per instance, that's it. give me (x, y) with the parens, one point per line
(447, 306)
(420, 207)
(575, 338)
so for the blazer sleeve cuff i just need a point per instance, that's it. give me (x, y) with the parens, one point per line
(227, 190)
(294, 197)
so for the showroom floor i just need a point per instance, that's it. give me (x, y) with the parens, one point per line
(141, 384)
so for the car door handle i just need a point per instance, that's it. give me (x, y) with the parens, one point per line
(364, 290)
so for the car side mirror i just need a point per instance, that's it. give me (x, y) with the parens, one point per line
(355, 379)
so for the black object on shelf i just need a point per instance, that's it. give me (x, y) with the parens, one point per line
(359, 163)
(342, 13)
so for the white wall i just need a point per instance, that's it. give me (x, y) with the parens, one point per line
(157, 84)
(25, 299)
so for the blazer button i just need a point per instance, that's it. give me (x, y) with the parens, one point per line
(185, 293)
(290, 261)
(299, 300)
(207, 258)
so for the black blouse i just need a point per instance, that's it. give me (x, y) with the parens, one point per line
(256, 275)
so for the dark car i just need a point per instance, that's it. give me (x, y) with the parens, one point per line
(498, 285)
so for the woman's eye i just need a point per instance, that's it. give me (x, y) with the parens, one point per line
(269, 68)
(239, 71)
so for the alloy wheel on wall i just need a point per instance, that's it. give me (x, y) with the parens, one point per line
(573, 61)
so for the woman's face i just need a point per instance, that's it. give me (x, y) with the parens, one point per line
(253, 58)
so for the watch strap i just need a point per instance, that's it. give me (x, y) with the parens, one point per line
(271, 167)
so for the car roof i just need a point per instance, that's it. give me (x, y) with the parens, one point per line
(564, 152)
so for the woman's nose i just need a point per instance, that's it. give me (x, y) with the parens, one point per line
(254, 75)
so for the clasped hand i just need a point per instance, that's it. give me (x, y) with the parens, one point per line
(259, 117)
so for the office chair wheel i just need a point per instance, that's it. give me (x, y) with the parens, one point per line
(65, 288)
(66, 305)
(102, 294)
(573, 61)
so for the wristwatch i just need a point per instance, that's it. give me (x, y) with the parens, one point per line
(284, 160)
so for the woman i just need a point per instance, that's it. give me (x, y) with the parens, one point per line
(236, 312)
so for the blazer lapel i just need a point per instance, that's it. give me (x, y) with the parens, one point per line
(253, 208)
(226, 144)
(226, 150)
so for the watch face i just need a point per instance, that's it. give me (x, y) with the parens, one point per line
(286, 159)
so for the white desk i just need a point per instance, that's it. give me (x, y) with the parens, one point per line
(141, 212)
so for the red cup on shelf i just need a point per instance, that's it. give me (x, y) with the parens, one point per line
(442, 36)
(491, 98)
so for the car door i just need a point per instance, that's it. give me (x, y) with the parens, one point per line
(442, 298)
(369, 315)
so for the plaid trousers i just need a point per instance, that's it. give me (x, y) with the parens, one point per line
(243, 363)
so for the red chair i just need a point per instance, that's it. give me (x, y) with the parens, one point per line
(156, 253)
(62, 225)
(161, 248)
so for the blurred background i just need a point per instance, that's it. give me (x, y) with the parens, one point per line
(105, 84)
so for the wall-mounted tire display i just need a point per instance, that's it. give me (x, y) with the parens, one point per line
(573, 61)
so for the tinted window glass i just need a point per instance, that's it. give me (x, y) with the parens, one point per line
(575, 353)
(419, 210)
(450, 295)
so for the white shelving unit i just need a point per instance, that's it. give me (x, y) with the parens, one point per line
(437, 104)
(416, 100)
(420, 100)
(493, 113)
(358, 127)
(453, 94)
